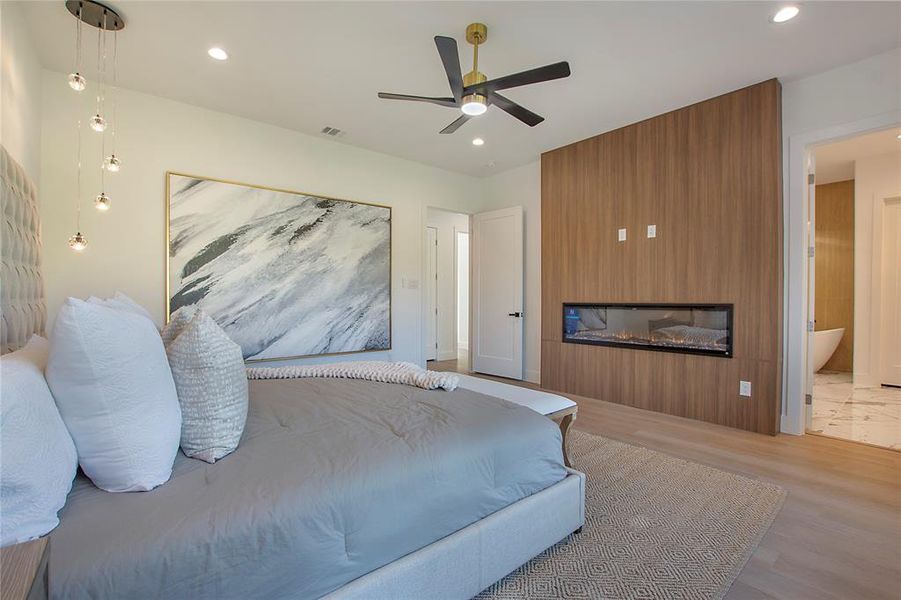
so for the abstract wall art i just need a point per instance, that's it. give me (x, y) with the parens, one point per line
(285, 274)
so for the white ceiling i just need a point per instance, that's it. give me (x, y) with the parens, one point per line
(305, 65)
(835, 161)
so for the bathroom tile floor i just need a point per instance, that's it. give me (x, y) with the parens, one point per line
(862, 414)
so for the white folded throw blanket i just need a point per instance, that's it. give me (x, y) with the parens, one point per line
(370, 370)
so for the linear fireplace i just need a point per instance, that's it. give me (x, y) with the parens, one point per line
(691, 328)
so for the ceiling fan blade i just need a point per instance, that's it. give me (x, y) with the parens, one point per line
(547, 73)
(456, 124)
(450, 58)
(512, 108)
(439, 101)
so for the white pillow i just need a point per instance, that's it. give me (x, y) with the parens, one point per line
(211, 381)
(111, 380)
(122, 302)
(39, 459)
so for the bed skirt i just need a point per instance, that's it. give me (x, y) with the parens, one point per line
(468, 561)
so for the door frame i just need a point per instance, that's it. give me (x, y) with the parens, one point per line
(811, 287)
(457, 234)
(423, 297)
(878, 278)
(795, 215)
(430, 287)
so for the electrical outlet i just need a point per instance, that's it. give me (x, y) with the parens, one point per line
(652, 231)
(744, 388)
(621, 234)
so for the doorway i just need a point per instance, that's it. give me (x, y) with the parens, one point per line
(447, 285)
(853, 272)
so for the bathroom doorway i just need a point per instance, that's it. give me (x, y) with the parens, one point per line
(853, 290)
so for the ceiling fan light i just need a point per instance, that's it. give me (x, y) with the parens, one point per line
(474, 105)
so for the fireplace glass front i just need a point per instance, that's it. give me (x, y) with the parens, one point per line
(695, 328)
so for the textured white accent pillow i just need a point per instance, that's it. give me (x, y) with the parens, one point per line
(122, 302)
(177, 321)
(39, 460)
(111, 380)
(211, 381)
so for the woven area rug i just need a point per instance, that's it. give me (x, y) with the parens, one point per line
(655, 527)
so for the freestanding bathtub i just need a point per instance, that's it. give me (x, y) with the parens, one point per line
(824, 345)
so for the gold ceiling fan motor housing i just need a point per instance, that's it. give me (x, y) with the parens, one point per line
(476, 34)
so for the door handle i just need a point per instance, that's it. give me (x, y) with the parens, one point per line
(515, 314)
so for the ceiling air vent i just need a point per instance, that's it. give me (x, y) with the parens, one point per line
(332, 131)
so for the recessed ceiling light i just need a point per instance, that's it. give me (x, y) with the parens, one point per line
(786, 13)
(478, 142)
(899, 136)
(217, 53)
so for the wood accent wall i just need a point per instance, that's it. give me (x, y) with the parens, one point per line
(709, 176)
(834, 301)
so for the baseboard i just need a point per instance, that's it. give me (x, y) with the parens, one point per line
(447, 355)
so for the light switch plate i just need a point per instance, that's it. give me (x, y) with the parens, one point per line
(652, 231)
(744, 388)
(621, 234)
(410, 284)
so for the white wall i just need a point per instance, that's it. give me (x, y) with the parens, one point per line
(20, 92)
(447, 224)
(127, 245)
(522, 186)
(844, 101)
(875, 179)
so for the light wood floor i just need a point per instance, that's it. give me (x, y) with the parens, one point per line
(839, 532)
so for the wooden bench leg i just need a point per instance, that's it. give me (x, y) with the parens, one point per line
(565, 422)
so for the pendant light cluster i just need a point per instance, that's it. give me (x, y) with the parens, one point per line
(105, 20)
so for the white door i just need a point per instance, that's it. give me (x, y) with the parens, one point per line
(811, 287)
(891, 293)
(497, 290)
(431, 350)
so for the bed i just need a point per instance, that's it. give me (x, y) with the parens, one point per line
(339, 488)
(332, 480)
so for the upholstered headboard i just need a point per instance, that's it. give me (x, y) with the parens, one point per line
(22, 304)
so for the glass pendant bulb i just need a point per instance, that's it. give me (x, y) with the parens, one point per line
(102, 202)
(78, 242)
(112, 163)
(77, 82)
(98, 123)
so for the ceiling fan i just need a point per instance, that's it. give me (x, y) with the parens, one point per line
(473, 93)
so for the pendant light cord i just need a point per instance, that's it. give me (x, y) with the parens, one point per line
(101, 101)
(77, 54)
(101, 65)
(115, 91)
(78, 181)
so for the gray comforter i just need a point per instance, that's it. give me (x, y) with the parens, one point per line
(332, 479)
